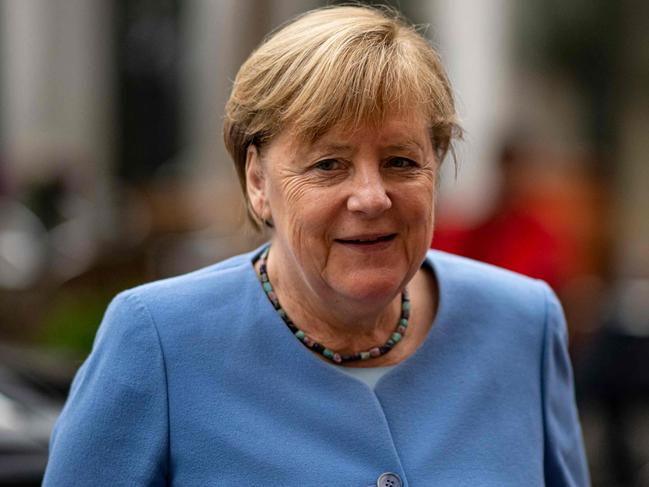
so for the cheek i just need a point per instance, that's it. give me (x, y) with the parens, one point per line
(418, 209)
(292, 191)
(301, 209)
(420, 198)
(423, 219)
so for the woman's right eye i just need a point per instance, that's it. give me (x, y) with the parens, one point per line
(327, 165)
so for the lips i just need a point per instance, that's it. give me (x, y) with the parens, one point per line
(367, 239)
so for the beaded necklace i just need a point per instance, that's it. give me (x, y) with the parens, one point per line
(395, 337)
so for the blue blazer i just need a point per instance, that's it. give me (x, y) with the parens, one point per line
(196, 381)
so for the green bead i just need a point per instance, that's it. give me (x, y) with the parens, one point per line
(267, 287)
(299, 334)
(403, 322)
(396, 337)
(405, 305)
(328, 353)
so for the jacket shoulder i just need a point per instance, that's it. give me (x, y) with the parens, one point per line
(490, 294)
(220, 274)
(197, 297)
(480, 274)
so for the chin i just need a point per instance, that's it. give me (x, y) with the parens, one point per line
(371, 290)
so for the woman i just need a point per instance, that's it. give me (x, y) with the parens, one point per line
(342, 353)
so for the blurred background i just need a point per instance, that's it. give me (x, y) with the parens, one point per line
(113, 173)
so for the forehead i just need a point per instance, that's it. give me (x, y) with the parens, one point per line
(398, 131)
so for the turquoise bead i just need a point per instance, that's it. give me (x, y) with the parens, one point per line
(405, 305)
(299, 334)
(403, 322)
(267, 287)
(396, 337)
(328, 353)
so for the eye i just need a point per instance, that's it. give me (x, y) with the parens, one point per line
(401, 162)
(326, 165)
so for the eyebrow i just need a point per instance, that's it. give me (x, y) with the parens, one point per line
(331, 147)
(409, 144)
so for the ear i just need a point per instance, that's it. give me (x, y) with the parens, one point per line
(256, 184)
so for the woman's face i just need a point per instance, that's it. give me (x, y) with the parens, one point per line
(353, 212)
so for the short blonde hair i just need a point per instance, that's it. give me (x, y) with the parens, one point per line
(337, 65)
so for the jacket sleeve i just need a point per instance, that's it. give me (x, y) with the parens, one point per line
(564, 458)
(113, 429)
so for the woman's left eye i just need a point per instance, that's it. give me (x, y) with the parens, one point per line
(327, 165)
(401, 162)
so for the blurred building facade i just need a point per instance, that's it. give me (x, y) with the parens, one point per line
(110, 92)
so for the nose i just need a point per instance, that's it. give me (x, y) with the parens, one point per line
(368, 195)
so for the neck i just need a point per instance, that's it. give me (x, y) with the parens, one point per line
(347, 327)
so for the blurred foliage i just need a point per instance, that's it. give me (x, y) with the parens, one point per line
(72, 322)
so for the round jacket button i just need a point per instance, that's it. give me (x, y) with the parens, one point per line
(389, 479)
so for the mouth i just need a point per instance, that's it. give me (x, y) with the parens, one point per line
(367, 240)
